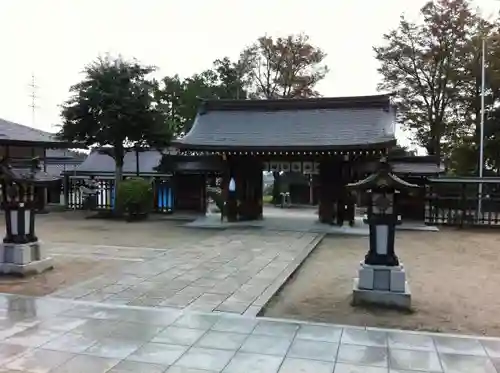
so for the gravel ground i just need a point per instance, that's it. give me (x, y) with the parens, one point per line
(454, 277)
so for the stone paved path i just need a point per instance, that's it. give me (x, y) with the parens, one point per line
(53, 335)
(235, 271)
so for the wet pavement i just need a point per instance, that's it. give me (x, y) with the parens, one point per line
(303, 219)
(237, 271)
(50, 335)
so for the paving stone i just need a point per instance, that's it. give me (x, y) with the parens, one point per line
(70, 342)
(349, 368)
(39, 361)
(85, 364)
(263, 344)
(364, 337)
(322, 333)
(222, 340)
(454, 363)
(468, 346)
(135, 331)
(408, 341)
(244, 363)
(33, 337)
(113, 348)
(363, 355)
(205, 358)
(492, 347)
(95, 296)
(96, 328)
(179, 300)
(315, 350)
(9, 352)
(158, 353)
(292, 365)
(234, 324)
(177, 335)
(233, 306)
(197, 321)
(60, 323)
(277, 329)
(136, 367)
(414, 360)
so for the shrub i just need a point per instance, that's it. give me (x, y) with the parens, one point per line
(135, 197)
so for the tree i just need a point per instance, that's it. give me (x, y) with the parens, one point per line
(115, 105)
(283, 67)
(231, 79)
(424, 64)
(180, 98)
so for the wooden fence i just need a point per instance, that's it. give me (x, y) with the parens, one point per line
(460, 202)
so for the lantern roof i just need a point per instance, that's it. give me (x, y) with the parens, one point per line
(382, 178)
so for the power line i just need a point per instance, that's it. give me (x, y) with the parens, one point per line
(33, 87)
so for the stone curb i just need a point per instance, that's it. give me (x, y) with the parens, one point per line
(259, 304)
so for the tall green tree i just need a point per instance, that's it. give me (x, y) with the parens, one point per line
(287, 67)
(115, 105)
(231, 79)
(470, 103)
(180, 98)
(424, 64)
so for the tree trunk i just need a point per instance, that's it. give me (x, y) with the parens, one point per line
(119, 156)
(118, 175)
(118, 178)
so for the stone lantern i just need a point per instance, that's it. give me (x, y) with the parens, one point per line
(21, 252)
(382, 278)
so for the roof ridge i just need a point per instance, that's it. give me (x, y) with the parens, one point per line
(380, 100)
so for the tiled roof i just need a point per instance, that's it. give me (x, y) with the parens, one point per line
(414, 165)
(101, 163)
(325, 123)
(64, 154)
(416, 168)
(15, 133)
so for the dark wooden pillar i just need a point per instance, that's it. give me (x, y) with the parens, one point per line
(247, 173)
(326, 191)
(253, 197)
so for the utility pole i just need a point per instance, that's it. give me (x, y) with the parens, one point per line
(33, 88)
(481, 140)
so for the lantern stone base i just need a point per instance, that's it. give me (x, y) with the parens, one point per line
(23, 259)
(382, 285)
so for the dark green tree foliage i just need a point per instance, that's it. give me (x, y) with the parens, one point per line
(180, 98)
(424, 64)
(113, 105)
(231, 79)
(283, 67)
(468, 138)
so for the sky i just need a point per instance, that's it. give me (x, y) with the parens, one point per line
(55, 39)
